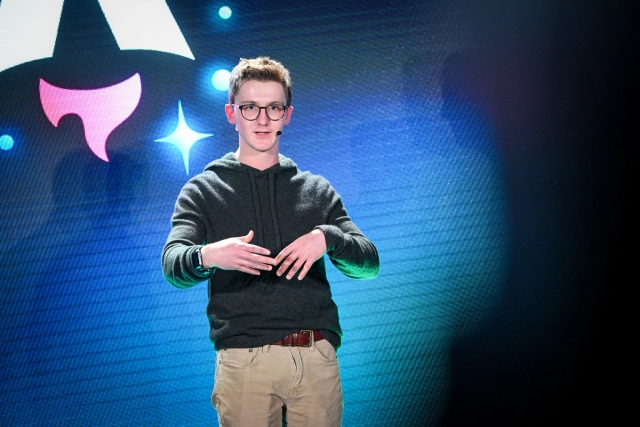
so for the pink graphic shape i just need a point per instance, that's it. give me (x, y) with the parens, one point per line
(101, 110)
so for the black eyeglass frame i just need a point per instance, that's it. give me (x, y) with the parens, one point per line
(241, 108)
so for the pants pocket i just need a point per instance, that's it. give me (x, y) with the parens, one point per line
(237, 357)
(326, 351)
(214, 393)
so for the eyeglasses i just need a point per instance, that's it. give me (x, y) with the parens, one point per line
(251, 111)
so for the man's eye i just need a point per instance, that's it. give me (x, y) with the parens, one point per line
(277, 108)
(249, 107)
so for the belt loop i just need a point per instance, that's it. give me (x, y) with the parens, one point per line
(312, 339)
(265, 348)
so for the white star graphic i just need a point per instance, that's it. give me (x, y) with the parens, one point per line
(184, 137)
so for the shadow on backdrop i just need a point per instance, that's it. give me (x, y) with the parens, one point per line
(80, 315)
(434, 174)
(557, 83)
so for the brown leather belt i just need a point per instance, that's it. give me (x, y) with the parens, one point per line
(300, 339)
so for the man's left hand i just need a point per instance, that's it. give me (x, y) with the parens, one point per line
(301, 254)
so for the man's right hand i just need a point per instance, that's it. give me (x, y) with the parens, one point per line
(236, 253)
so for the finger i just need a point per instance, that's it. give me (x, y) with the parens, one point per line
(263, 259)
(304, 271)
(257, 250)
(282, 255)
(248, 270)
(254, 263)
(257, 266)
(248, 237)
(294, 268)
(286, 263)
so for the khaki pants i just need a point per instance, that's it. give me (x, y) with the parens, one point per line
(253, 384)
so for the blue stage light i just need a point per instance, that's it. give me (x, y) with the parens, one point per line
(224, 12)
(6, 142)
(220, 79)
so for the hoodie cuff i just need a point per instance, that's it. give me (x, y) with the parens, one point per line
(199, 273)
(333, 236)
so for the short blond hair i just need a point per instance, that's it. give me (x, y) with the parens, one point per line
(262, 69)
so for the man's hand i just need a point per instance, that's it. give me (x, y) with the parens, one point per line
(303, 252)
(236, 253)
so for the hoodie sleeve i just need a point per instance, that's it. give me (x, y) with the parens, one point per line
(188, 233)
(349, 250)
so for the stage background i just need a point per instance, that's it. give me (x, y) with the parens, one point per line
(481, 148)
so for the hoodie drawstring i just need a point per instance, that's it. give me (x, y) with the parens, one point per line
(274, 213)
(256, 207)
(260, 232)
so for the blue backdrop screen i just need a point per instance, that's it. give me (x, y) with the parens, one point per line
(99, 133)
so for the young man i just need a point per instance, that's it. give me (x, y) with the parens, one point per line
(257, 229)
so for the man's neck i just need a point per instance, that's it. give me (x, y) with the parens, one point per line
(260, 161)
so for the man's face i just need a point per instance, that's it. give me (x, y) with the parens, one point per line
(259, 135)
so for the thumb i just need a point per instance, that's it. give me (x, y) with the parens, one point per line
(248, 237)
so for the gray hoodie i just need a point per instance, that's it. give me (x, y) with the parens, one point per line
(280, 204)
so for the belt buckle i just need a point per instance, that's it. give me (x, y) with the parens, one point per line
(310, 332)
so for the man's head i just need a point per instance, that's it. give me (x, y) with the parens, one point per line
(261, 69)
(259, 107)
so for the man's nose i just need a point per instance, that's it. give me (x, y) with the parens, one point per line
(262, 116)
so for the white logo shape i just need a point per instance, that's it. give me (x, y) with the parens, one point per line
(28, 28)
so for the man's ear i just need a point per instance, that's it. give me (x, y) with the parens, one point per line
(228, 110)
(287, 116)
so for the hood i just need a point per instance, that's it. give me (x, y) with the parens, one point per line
(229, 161)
